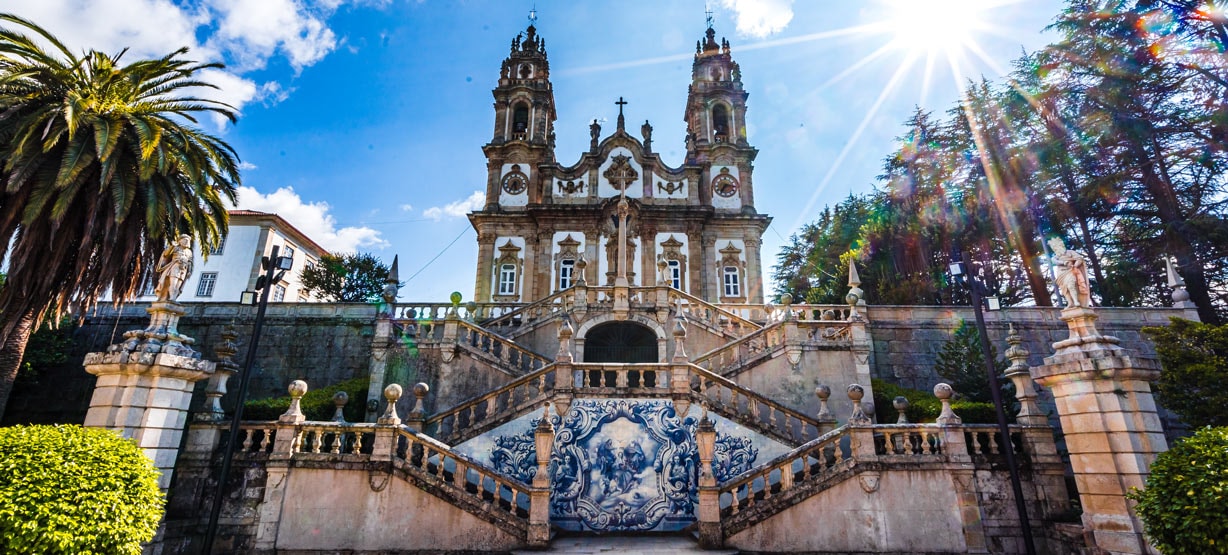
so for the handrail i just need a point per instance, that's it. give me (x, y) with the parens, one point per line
(458, 423)
(438, 312)
(815, 460)
(772, 336)
(509, 353)
(745, 406)
(467, 479)
(558, 297)
(734, 320)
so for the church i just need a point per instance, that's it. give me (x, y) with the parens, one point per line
(619, 370)
(546, 225)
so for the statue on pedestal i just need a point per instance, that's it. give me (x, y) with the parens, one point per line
(1071, 269)
(173, 269)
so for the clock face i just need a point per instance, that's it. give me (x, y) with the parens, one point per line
(515, 181)
(725, 185)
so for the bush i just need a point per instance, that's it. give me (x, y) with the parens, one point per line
(1182, 507)
(68, 489)
(317, 404)
(1195, 360)
(923, 407)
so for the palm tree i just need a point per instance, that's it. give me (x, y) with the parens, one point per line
(100, 163)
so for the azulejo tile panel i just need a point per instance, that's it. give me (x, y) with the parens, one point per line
(622, 464)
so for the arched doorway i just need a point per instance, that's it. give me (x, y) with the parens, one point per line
(620, 342)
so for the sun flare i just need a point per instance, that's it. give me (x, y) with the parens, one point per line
(933, 26)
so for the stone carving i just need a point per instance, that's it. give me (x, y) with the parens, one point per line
(571, 187)
(173, 269)
(1071, 268)
(621, 174)
(621, 465)
(671, 187)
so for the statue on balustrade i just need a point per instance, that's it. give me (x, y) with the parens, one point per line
(1071, 269)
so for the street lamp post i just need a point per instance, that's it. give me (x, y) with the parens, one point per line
(275, 268)
(980, 294)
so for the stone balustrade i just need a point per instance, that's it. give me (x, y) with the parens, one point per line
(742, 405)
(498, 406)
(695, 309)
(816, 460)
(474, 312)
(426, 457)
(741, 352)
(510, 355)
(907, 440)
(641, 380)
(256, 437)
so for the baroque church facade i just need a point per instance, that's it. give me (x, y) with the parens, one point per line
(546, 226)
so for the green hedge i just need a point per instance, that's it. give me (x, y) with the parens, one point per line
(1183, 504)
(68, 489)
(924, 407)
(317, 404)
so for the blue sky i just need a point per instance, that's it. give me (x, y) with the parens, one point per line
(362, 122)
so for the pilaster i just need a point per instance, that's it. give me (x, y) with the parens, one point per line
(486, 259)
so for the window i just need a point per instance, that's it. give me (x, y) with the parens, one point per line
(720, 123)
(287, 252)
(205, 287)
(732, 287)
(567, 269)
(520, 121)
(279, 293)
(221, 244)
(675, 274)
(507, 279)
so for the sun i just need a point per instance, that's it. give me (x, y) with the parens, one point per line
(933, 26)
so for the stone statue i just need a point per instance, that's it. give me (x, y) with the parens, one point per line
(1071, 268)
(173, 269)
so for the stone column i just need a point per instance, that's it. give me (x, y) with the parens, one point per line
(486, 260)
(529, 275)
(145, 385)
(377, 368)
(285, 442)
(695, 262)
(1110, 423)
(539, 494)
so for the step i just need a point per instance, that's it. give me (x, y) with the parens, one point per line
(648, 543)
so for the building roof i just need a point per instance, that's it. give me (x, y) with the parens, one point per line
(281, 223)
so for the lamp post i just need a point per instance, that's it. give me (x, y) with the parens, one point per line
(980, 293)
(275, 268)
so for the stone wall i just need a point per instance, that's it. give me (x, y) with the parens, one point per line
(320, 343)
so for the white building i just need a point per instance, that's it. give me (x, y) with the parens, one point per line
(233, 267)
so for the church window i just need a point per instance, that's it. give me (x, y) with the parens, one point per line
(732, 287)
(520, 121)
(279, 293)
(675, 274)
(720, 123)
(567, 269)
(507, 279)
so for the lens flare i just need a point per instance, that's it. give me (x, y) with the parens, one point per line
(936, 26)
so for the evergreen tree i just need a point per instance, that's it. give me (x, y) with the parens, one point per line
(962, 363)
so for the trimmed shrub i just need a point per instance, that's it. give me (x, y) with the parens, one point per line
(923, 407)
(1182, 507)
(68, 489)
(1195, 360)
(317, 404)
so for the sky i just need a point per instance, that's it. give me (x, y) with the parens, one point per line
(362, 121)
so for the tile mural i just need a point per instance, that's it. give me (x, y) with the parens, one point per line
(622, 464)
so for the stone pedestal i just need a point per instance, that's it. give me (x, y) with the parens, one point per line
(145, 385)
(1111, 427)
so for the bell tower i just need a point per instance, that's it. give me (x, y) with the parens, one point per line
(716, 126)
(523, 135)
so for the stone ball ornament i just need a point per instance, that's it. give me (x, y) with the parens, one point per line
(298, 388)
(856, 392)
(392, 392)
(822, 392)
(943, 391)
(421, 389)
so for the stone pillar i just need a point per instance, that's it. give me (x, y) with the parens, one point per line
(826, 420)
(564, 372)
(695, 262)
(709, 509)
(382, 344)
(539, 494)
(285, 442)
(1110, 423)
(145, 385)
(680, 372)
(485, 271)
(529, 274)
(417, 415)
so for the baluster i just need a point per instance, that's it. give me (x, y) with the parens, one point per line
(460, 476)
(772, 417)
(247, 441)
(754, 409)
(298, 441)
(336, 443)
(735, 505)
(511, 506)
(767, 484)
(490, 406)
(357, 447)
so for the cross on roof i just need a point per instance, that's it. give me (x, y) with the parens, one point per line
(533, 15)
(709, 14)
(620, 104)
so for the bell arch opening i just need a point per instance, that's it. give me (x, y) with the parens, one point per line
(620, 342)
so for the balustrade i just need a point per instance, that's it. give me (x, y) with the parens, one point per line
(474, 415)
(256, 437)
(984, 443)
(623, 376)
(729, 399)
(335, 438)
(908, 439)
(813, 461)
(711, 315)
(512, 356)
(736, 354)
(428, 458)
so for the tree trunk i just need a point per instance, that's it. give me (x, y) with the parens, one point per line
(10, 357)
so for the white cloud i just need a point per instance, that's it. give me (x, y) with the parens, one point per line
(245, 34)
(407, 207)
(312, 218)
(458, 208)
(247, 166)
(760, 18)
